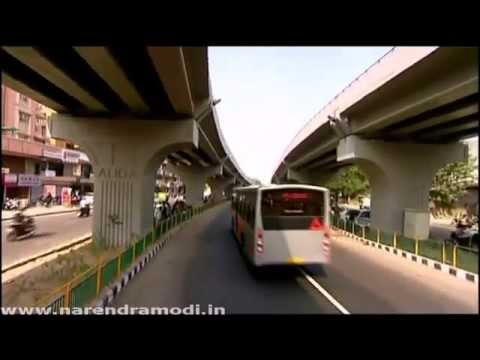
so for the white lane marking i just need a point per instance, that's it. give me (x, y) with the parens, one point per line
(325, 293)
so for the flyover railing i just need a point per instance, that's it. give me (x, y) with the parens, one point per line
(85, 287)
(465, 258)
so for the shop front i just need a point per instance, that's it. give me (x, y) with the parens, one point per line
(60, 186)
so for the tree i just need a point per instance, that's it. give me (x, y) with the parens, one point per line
(450, 183)
(349, 182)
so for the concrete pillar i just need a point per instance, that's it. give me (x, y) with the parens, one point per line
(219, 185)
(125, 155)
(194, 177)
(400, 175)
(229, 189)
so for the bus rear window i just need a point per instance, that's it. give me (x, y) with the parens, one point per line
(291, 208)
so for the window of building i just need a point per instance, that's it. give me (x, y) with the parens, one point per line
(44, 131)
(24, 122)
(24, 99)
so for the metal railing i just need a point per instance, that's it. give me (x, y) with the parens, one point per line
(85, 287)
(442, 251)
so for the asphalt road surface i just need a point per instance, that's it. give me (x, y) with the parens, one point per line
(52, 231)
(201, 265)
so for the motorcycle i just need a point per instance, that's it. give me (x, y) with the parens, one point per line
(22, 227)
(10, 204)
(161, 211)
(84, 211)
(47, 202)
(463, 233)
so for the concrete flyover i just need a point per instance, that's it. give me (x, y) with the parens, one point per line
(400, 121)
(129, 108)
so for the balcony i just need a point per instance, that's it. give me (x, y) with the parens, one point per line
(19, 147)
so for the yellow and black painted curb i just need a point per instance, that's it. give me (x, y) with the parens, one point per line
(445, 268)
(111, 292)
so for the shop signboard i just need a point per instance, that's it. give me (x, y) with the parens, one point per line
(29, 180)
(53, 154)
(84, 157)
(10, 178)
(70, 156)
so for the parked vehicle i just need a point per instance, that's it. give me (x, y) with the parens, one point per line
(349, 214)
(363, 218)
(466, 232)
(10, 204)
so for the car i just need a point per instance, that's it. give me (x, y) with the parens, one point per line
(349, 214)
(363, 218)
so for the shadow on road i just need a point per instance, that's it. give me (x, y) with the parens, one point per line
(315, 270)
(274, 273)
(40, 235)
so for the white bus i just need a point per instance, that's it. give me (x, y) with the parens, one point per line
(282, 224)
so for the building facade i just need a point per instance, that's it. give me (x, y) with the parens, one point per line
(57, 165)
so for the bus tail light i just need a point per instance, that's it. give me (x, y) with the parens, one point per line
(326, 244)
(259, 242)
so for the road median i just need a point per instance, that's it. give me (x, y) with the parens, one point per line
(51, 251)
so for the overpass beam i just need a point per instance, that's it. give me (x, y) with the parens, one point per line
(317, 178)
(400, 176)
(125, 155)
(195, 178)
(298, 176)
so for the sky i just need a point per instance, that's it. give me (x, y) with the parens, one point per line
(269, 93)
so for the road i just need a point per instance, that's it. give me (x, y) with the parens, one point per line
(52, 231)
(201, 265)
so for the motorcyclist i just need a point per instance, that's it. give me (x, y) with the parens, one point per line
(48, 199)
(464, 222)
(19, 218)
(84, 207)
